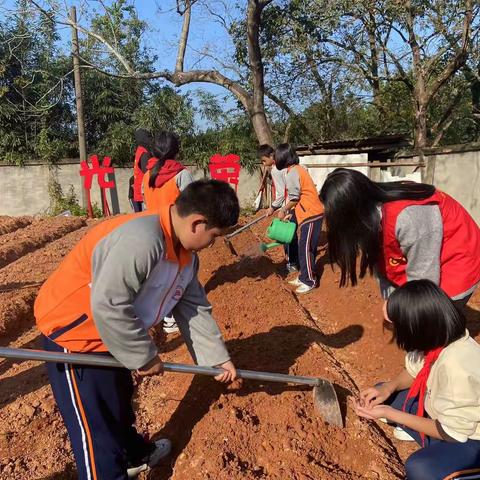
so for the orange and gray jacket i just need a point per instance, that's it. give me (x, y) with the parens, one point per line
(300, 187)
(171, 180)
(121, 279)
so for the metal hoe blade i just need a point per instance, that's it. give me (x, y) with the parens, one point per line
(228, 243)
(326, 402)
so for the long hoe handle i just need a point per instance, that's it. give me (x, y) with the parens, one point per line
(248, 225)
(104, 361)
(325, 398)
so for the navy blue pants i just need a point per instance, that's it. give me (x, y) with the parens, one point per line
(96, 406)
(136, 206)
(308, 239)
(439, 458)
(291, 249)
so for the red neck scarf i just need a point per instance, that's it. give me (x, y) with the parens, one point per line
(419, 385)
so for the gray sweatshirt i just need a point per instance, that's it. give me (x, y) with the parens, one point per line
(134, 286)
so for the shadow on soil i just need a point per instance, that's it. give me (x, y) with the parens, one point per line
(24, 382)
(260, 268)
(275, 351)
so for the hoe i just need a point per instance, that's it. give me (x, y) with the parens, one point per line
(324, 395)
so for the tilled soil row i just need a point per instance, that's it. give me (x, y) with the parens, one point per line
(260, 430)
(10, 224)
(20, 281)
(20, 242)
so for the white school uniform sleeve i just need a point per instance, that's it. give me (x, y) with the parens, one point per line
(456, 402)
(183, 179)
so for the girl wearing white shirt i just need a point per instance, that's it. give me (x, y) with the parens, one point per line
(436, 397)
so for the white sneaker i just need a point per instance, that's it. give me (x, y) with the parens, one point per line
(163, 447)
(401, 434)
(295, 282)
(169, 325)
(303, 288)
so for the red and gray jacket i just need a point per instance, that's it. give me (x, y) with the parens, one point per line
(171, 180)
(434, 238)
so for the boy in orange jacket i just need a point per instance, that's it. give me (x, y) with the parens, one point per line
(120, 280)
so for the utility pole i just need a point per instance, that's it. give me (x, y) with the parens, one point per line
(82, 146)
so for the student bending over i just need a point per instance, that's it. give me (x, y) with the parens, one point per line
(436, 397)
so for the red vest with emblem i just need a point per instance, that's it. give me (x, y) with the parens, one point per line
(460, 254)
(138, 175)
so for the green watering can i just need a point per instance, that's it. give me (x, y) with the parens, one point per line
(280, 231)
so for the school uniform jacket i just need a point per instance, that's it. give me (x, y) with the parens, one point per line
(121, 279)
(434, 238)
(140, 153)
(453, 388)
(172, 179)
(300, 187)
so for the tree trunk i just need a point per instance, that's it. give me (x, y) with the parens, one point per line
(421, 132)
(262, 128)
(257, 111)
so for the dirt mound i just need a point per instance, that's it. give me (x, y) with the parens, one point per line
(10, 224)
(20, 281)
(34, 236)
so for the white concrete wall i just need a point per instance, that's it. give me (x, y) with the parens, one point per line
(320, 174)
(24, 190)
(458, 174)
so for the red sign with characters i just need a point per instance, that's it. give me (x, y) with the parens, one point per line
(225, 167)
(100, 170)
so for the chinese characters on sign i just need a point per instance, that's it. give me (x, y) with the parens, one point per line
(99, 170)
(225, 167)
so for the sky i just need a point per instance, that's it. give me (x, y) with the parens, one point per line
(163, 31)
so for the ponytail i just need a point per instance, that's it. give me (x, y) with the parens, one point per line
(165, 147)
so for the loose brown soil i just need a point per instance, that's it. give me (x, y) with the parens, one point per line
(24, 240)
(10, 224)
(245, 431)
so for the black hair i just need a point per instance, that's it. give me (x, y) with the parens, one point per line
(265, 150)
(285, 156)
(143, 138)
(351, 203)
(423, 317)
(165, 146)
(214, 199)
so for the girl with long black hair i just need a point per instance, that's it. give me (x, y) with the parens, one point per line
(403, 230)
(166, 177)
(435, 400)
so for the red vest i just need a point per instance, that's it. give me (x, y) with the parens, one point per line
(460, 254)
(138, 175)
